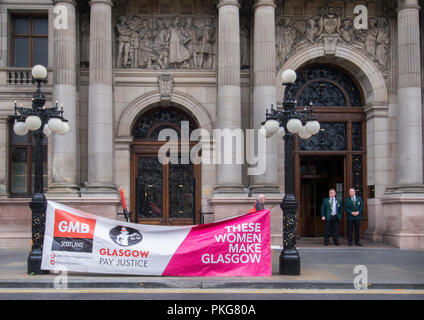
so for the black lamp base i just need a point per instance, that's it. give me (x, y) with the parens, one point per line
(290, 262)
(34, 263)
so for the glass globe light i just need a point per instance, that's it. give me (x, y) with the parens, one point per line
(303, 133)
(39, 72)
(271, 126)
(55, 125)
(33, 122)
(281, 132)
(294, 125)
(65, 128)
(20, 128)
(288, 76)
(312, 127)
(46, 130)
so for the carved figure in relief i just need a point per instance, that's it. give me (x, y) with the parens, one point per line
(311, 30)
(207, 52)
(160, 46)
(346, 32)
(193, 44)
(124, 42)
(285, 41)
(382, 42)
(371, 37)
(133, 24)
(178, 53)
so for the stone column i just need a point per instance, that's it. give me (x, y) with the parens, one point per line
(410, 157)
(264, 90)
(100, 125)
(64, 147)
(402, 205)
(3, 37)
(229, 176)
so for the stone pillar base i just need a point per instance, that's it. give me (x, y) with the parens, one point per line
(63, 189)
(99, 189)
(227, 207)
(265, 189)
(404, 218)
(230, 190)
(376, 223)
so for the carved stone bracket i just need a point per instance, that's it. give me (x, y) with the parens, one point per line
(165, 82)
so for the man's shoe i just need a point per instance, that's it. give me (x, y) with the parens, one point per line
(349, 244)
(326, 243)
(359, 244)
(336, 243)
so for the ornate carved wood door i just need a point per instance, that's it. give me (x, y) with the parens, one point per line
(163, 192)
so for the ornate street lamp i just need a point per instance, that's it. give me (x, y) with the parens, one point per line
(42, 122)
(286, 123)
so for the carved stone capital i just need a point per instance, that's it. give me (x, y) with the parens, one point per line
(224, 3)
(57, 2)
(264, 3)
(408, 4)
(107, 2)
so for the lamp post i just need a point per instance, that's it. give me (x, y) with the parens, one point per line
(42, 122)
(286, 123)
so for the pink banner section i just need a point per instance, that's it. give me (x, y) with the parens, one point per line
(239, 246)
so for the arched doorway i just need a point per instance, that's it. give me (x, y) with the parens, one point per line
(165, 193)
(336, 156)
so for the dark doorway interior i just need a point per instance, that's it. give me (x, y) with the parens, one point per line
(318, 174)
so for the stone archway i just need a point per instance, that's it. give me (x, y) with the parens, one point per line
(140, 105)
(373, 85)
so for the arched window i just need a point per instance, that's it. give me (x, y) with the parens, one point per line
(325, 86)
(150, 124)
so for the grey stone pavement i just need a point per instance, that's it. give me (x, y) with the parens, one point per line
(322, 267)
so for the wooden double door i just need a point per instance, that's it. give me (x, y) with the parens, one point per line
(163, 192)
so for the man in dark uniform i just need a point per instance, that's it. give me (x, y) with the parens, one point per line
(331, 213)
(354, 206)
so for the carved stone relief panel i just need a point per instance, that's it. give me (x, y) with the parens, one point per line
(165, 42)
(331, 27)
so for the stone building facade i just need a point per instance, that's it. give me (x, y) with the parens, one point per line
(123, 69)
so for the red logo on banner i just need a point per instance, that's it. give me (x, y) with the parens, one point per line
(68, 225)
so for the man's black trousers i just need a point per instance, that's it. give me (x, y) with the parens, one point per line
(331, 229)
(350, 225)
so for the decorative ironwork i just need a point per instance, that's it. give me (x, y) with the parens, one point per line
(357, 136)
(149, 188)
(150, 125)
(324, 86)
(357, 168)
(181, 190)
(332, 137)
